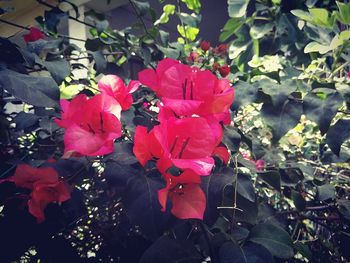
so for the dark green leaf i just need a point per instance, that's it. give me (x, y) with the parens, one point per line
(251, 253)
(282, 118)
(213, 187)
(274, 238)
(142, 7)
(298, 200)
(231, 139)
(344, 208)
(59, 69)
(37, 91)
(245, 187)
(245, 93)
(322, 111)
(141, 195)
(337, 134)
(170, 250)
(325, 192)
(273, 178)
(25, 120)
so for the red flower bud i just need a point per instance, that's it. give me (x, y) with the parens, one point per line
(193, 57)
(224, 70)
(215, 66)
(205, 45)
(222, 49)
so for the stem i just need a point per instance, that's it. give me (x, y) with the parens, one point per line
(338, 69)
(27, 28)
(235, 195)
(140, 18)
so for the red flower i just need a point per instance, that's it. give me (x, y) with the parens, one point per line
(349, 74)
(188, 200)
(205, 45)
(43, 194)
(224, 70)
(215, 66)
(188, 90)
(45, 185)
(91, 124)
(114, 86)
(33, 35)
(193, 57)
(186, 143)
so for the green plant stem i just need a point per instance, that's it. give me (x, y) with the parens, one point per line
(338, 69)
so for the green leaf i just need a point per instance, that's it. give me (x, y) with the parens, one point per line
(214, 187)
(142, 7)
(298, 200)
(321, 17)
(302, 15)
(272, 178)
(325, 192)
(25, 120)
(337, 134)
(37, 91)
(191, 20)
(232, 253)
(245, 94)
(245, 187)
(322, 111)
(231, 27)
(167, 11)
(274, 239)
(59, 69)
(194, 5)
(260, 31)
(237, 8)
(344, 12)
(283, 117)
(344, 208)
(188, 32)
(170, 250)
(231, 139)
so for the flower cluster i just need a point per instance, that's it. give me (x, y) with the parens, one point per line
(45, 186)
(193, 106)
(207, 53)
(92, 124)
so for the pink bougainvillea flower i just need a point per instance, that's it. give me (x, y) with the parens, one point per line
(186, 143)
(91, 124)
(222, 152)
(188, 91)
(33, 35)
(45, 187)
(114, 86)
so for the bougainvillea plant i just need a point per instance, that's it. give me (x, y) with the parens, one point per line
(186, 151)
